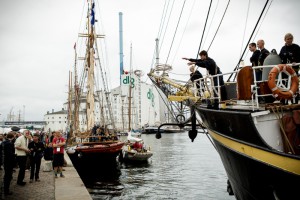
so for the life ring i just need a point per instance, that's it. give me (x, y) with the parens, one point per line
(279, 89)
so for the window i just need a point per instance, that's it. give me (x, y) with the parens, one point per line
(59, 122)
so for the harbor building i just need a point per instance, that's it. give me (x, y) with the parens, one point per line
(145, 106)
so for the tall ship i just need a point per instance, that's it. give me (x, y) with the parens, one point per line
(253, 123)
(99, 138)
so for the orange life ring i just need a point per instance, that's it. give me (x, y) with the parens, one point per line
(277, 92)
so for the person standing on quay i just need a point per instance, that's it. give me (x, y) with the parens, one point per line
(9, 161)
(58, 154)
(36, 148)
(22, 150)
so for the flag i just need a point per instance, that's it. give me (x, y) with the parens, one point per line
(93, 14)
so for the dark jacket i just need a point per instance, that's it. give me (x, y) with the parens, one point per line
(254, 58)
(196, 75)
(262, 56)
(36, 148)
(290, 54)
(209, 64)
(211, 67)
(8, 153)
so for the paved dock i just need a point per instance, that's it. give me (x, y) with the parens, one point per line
(49, 188)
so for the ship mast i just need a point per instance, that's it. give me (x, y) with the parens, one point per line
(76, 96)
(129, 95)
(90, 101)
(70, 117)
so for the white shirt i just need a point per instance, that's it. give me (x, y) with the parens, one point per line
(21, 142)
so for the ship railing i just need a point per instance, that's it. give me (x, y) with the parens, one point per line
(208, 91)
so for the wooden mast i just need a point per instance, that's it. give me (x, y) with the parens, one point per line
(90, 101)
(76, 96)
(70, 112)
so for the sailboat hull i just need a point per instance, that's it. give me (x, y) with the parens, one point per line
(100, 148)
(255, 170)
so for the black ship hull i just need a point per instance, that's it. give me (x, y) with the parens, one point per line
(255, 170)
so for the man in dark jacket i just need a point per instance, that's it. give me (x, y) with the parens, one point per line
(36, 148)
(263, 52)
(209, 64)
(212, 68)
(9, 161)
(255, 55)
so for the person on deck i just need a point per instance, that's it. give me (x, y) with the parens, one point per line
(255, 56)
(36, 153)
(58, 154)
(210, 65)
(290, 53)
(195, 74)
(263, 52)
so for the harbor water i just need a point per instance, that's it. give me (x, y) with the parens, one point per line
(178, 169)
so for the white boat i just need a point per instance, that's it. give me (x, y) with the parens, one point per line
(135, 150)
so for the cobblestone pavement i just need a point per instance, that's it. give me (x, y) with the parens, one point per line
(43, 190)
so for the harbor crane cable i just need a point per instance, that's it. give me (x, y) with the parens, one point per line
(249, 39)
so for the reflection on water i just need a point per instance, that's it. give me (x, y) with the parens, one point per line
(178, 169)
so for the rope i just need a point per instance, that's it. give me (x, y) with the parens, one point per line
(276, 113)
(246, 47)
(175, 31)
(212, 19)
(163, 38)
(162, 21)
(204, 29)
(191, 11)
(219, 25)
(246, 22)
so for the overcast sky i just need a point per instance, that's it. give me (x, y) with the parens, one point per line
(37, 39)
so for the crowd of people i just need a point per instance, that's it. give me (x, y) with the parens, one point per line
(24, 150)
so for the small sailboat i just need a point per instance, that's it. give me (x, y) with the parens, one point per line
(90, 139)
(135, 150)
